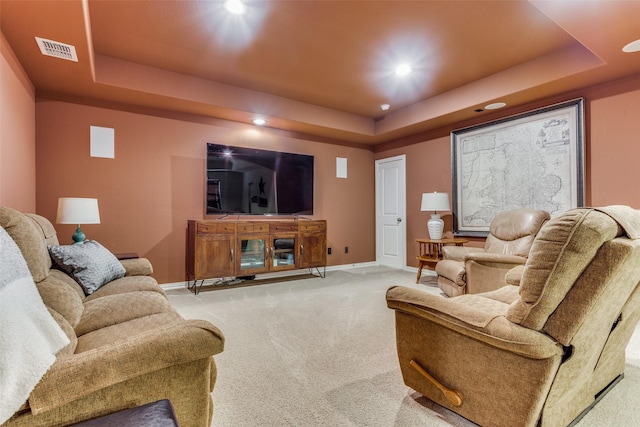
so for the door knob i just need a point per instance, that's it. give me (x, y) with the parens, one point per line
(399, 220)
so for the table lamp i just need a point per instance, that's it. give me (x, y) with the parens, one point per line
(435, 202)
(74, 210)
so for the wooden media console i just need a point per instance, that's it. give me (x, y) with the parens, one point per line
(240, 248)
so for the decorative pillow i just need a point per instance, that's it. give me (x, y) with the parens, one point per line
(89, 263)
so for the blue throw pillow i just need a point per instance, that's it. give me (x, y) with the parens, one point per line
(90, 264)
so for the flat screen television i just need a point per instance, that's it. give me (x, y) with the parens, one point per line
(249, 181)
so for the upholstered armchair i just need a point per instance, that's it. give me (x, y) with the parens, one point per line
(470, 270)
(541, 353)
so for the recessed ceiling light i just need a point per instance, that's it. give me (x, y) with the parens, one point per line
(495, 105)
(632, 47)
(259, 121)
(385, 107)
(235, 7)
(403, 69)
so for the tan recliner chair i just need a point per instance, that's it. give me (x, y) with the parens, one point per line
(471, 270)
(542, 352)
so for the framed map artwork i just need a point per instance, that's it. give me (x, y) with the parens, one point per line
(531, 160)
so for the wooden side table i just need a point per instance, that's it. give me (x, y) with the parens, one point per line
(126, 255)
(430, 252)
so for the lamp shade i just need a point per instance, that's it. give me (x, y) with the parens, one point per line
(435, 202)
(74, 210)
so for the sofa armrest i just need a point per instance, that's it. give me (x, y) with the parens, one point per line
(491, 258)
(75, 376)
(137, 267)
(452, 270)
(476, 317)
(458, 253)
(514, 275)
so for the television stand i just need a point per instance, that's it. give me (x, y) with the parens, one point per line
(218, 249)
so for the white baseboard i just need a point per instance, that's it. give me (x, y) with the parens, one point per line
(181, 285)
(425, 272)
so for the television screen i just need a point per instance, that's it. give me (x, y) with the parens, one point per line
(258, 182)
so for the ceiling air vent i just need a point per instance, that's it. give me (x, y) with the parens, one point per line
(57, 49)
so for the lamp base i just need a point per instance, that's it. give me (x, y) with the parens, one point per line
(435, 226)
(78, 237)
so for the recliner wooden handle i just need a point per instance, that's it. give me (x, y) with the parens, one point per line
(454, 396)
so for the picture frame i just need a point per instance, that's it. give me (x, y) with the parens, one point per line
(529, 160)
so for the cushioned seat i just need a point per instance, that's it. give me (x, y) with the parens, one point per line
(124, 331)
(113, 309)
(540, 353)
(128, 284)
(118, 341)
(471, 270)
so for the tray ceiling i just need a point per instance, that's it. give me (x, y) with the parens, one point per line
(323, 68)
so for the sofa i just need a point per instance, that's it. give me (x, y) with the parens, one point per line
(116, 345)
(541, 353)
(472, 270)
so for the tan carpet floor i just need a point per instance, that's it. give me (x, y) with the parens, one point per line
(321, 352)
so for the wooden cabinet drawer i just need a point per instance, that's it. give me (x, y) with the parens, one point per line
(216, 227)
(283, 226)
(253, 227)
(311, 226)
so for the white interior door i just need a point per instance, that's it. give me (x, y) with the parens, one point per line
(391, 209)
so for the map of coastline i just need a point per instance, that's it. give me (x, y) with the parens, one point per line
(519, 165)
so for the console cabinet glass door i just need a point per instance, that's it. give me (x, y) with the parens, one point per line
(283, 252)
(253, 255)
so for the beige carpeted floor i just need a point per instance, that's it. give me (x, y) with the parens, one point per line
(321, 352)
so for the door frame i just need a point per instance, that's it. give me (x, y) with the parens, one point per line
(402, 208)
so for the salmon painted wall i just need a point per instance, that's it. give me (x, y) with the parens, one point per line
(612, 147)
(615, 144)
(156, 181)
(17, 134)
